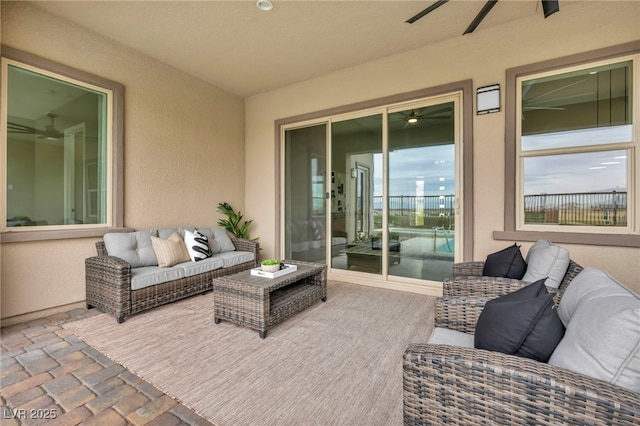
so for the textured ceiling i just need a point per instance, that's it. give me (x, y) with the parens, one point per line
(243, 50)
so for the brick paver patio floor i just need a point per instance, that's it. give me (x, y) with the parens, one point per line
(48, 375)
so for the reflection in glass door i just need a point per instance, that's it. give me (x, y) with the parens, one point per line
(363, 196)
(305, 204)
(356, 147)
(421, 192)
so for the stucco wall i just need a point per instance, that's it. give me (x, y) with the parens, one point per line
(483, 57)
(183, 153)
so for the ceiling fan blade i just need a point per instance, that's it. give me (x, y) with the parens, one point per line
(436, 111)
(529, 108)
(20, 128)
(550, 7)
(557, 89)
(50, 132)
(483, 12)
(427, 10)
(560, 99)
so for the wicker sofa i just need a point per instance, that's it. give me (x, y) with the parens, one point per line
(111, 280)
(462, 385)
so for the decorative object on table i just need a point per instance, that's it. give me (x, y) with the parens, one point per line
(284, 269)
(233, 223)
(270, 265)
(273, 268)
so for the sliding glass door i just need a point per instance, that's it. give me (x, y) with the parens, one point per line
(376, 193)
(305, 213)
(356, 153)
(421, 192)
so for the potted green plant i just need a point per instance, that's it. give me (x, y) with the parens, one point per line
(270, 265)
(233, 223)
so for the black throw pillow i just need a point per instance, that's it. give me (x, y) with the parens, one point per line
(507, 263)
(523, 323)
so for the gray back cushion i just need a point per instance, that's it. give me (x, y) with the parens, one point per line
(165, 233)
(602, 339)
(546, 260)
(219, 240)
(133, 247)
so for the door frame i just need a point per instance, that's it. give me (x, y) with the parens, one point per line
(71, 141)
(465, 195)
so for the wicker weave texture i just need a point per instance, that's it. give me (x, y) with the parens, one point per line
(459, 313)
(461, 386)
(260, 303)
(108, 283)
(464, 386)
(468, 280)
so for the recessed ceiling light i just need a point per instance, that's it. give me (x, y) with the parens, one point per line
(597, 167)
(606, 163)
(265, 5)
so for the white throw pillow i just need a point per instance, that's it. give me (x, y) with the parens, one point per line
(546, 260)
(197, 245)
(602, 339)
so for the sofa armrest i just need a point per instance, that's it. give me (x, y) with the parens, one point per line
(108, 285)
(459, 313)
(572, 271)
(480, 286)
(252, 246)
(472, 269)
(453, 385)
(464, 283)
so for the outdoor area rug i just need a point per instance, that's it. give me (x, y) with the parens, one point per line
(336, 363)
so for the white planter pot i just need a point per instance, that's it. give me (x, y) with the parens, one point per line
(270, 268)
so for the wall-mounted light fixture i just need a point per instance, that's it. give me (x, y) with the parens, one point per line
(354, 173)
(265, 5)
(488, 99)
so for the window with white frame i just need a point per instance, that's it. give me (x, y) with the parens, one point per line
(59, 149)
(576, 148)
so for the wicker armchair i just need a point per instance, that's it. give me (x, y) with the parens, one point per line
(468, 281)
(461, 386)
(464, 386)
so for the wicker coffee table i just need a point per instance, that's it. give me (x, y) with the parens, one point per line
(260, 303)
